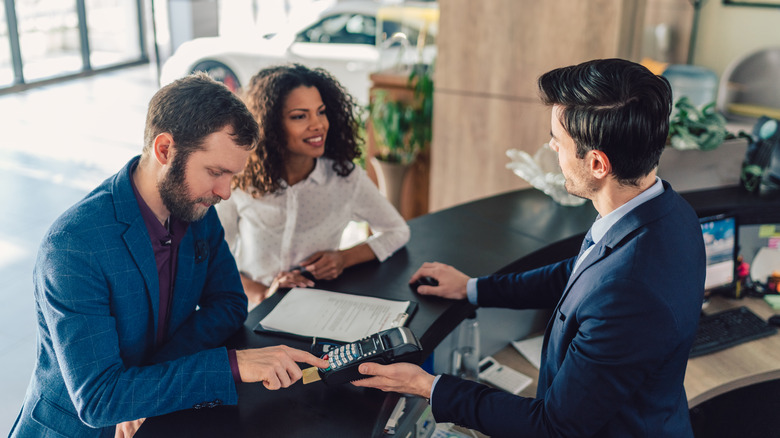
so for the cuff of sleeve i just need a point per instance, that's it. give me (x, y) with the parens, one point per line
(433, 387)
(234, 366)
(471, 291)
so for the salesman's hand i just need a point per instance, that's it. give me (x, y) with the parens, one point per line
(128, 428)
(452, 283)
(274, 366)
(398, 377)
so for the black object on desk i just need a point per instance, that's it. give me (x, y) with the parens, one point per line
(423, 281)
(728, 328)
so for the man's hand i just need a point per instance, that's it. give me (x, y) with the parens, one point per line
(401, 377)
(452, 283)
(128, 428)
(325, 265)
(274, 366)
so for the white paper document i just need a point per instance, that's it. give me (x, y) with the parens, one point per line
(334, 315)
(531, 349)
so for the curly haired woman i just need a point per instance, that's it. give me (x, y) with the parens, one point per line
(301, 188)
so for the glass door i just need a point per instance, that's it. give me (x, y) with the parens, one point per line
(6, 64)
(49, 38)
(41, 40)
(113, 27)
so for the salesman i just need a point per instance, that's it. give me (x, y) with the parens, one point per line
(626, 309)
(135, 288)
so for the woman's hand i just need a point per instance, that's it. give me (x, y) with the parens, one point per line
(289, 279)
(325, 265)
(255, 291)
(128, 428)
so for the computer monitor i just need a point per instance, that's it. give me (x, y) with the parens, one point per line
(720, 244)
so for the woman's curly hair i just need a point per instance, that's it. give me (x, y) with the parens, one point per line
(265, 98)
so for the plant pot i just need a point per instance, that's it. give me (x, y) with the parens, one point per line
(390, 177)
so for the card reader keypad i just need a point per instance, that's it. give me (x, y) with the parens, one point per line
(346, 354)
(397, 344)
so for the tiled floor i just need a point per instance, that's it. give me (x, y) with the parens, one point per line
(58, 142)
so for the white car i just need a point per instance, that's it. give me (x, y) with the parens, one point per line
(351, 40)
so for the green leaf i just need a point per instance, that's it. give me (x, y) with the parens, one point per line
(694, 128)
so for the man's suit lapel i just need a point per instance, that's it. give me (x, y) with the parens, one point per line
(632, 221)
(137, 236)
(635, 219)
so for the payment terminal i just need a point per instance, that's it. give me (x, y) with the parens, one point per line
(397, 344)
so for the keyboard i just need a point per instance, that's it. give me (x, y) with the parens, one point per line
(728, 328)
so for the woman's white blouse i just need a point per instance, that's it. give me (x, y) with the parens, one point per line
(276, 232)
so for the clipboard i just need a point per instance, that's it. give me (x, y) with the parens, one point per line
(318, 315)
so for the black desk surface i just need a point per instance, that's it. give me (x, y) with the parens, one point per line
(515, 230)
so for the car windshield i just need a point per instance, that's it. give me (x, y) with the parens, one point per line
(358, 29)
(341, 29)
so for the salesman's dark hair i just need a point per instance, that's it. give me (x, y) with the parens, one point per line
(614, 106)
(194, 107)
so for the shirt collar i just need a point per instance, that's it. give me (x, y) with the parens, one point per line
(157, 231)
(317, 176)
(603, 224)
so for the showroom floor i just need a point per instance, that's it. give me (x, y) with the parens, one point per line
(58, 142)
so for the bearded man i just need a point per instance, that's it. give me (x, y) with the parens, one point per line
(136, 289)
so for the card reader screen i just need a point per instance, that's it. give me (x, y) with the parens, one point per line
(367, 345)
(392, 339)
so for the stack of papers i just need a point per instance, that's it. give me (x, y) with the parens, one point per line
(333, 315)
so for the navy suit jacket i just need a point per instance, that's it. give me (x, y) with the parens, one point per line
(97, 298)
(616, 347)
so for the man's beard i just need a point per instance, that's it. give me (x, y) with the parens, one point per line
(174, 192)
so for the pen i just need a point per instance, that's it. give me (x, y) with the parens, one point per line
(398, 411)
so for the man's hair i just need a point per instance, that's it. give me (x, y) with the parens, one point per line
(192, 108)
(614, 106)
(265, 97)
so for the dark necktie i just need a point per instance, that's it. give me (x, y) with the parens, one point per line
(586, 243)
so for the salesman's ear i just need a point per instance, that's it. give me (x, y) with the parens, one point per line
(599, 164)
(163, 148)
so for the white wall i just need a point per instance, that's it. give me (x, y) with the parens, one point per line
(727, 33)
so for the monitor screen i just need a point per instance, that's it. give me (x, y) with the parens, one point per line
(720, 244)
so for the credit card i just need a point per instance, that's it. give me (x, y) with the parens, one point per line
(310, 375)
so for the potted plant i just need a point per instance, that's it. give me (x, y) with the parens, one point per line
(693, 128)
(402, 130)
(701, 152)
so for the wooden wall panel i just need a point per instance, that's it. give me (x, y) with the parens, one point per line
(490, 54)
(472, 134)
(501, 46)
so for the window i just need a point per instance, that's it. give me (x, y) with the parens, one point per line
(6, 67)
(113, 29)
(47, 39)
